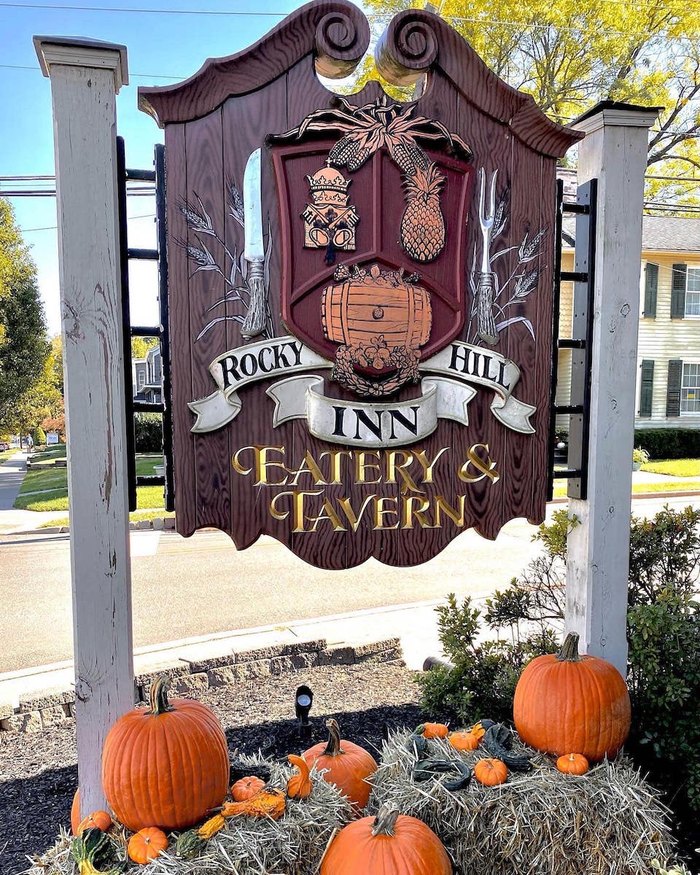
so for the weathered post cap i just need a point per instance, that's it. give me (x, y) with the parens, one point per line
(76, 51)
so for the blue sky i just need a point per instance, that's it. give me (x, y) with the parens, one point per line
(169, 45)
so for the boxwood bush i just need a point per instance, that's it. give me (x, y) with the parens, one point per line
(669, 443)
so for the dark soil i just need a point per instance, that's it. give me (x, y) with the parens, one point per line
(38, 773)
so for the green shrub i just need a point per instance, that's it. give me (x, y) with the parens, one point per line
(39, 437)
(669, 443)
(484, 676)
(148, 433)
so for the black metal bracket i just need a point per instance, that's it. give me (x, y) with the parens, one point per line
(583, 278)
(161, 331)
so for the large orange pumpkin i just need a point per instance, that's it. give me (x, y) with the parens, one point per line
(165, 766)
(346, 764)
(390, 844)
(566, 702)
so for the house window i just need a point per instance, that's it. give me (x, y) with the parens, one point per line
(690, 387)
(142, 380)
(692, 293)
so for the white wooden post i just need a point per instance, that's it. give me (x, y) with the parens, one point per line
(85, 76)
(615, 152)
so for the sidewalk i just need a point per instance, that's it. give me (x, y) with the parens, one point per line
(12, 473)
(414, 624)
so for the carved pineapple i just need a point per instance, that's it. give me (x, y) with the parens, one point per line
(422, 223)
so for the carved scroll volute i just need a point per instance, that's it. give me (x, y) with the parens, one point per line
(408, 47)
(342, 38)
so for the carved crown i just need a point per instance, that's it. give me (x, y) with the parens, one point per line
(329, 186)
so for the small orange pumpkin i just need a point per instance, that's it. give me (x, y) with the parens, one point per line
(390, 844)
(146, 844)
(490, 772)
(463, 740)
(97, 820)
(246, 788)
(346, 765)
(573, 764)
(299, 785)
(433, 730)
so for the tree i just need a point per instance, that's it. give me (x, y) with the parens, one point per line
(141, 345)
(570, 54)
(24, 345)
(42, 401)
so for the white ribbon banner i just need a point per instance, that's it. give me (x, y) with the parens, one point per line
(362, 423)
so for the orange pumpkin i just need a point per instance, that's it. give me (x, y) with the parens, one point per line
(463, 740)
(566, 702)
(346, 765)
(433, 730)
(97, 820)
(299, 785)
(146, 844)
(246, 787)
(490, 772)
(573, 764)
(390, 844)
(166, 766)
(75, 813)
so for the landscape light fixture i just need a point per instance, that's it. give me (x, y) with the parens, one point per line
(303, 701)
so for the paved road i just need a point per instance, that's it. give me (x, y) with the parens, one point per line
(187, 587)
(202, 585)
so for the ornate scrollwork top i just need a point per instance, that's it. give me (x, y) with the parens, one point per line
(341, 41)
(408, 47)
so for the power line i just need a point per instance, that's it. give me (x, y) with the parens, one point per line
(55, 227)
(135, 75)
(141, 11)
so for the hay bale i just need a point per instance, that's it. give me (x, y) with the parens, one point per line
(608, 822)
(292, 845)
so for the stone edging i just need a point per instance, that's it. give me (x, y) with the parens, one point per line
(190, 678)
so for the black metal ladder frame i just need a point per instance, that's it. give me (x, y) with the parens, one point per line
(583, 277)
(161, 331)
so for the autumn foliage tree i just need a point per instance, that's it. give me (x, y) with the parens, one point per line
(572, 53)
(24, 346)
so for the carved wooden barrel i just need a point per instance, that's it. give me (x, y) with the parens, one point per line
(357, 310)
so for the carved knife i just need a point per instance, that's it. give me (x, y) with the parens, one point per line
(254, 250)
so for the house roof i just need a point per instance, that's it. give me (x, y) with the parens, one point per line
(659, 233)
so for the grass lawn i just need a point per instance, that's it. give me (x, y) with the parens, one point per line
(674, 467)
(46, 488)
(134, 517)
(643, 488)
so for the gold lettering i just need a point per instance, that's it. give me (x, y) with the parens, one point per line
(380, 512)
(236, 461)
(275, 512)
(397, 461)
(299, 516)
(348, 510)
(455, 514)
(409, 512)
(309, 466)
(335, 472)
(487, 467)
(427, 466)
(327, 513)
(361, 466)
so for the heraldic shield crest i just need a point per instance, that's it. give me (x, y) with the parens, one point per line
(360, 291)
(374, 239)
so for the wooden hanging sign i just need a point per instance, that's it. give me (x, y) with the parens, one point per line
(361, 292)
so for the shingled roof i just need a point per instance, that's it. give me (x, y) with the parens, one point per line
(659, 233)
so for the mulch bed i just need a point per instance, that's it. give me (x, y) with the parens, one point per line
(39, 772)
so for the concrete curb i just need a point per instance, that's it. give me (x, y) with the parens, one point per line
(191, 677)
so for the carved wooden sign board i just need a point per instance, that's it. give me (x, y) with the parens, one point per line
(360, 292)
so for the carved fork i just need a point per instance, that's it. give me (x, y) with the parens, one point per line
(486, 288)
